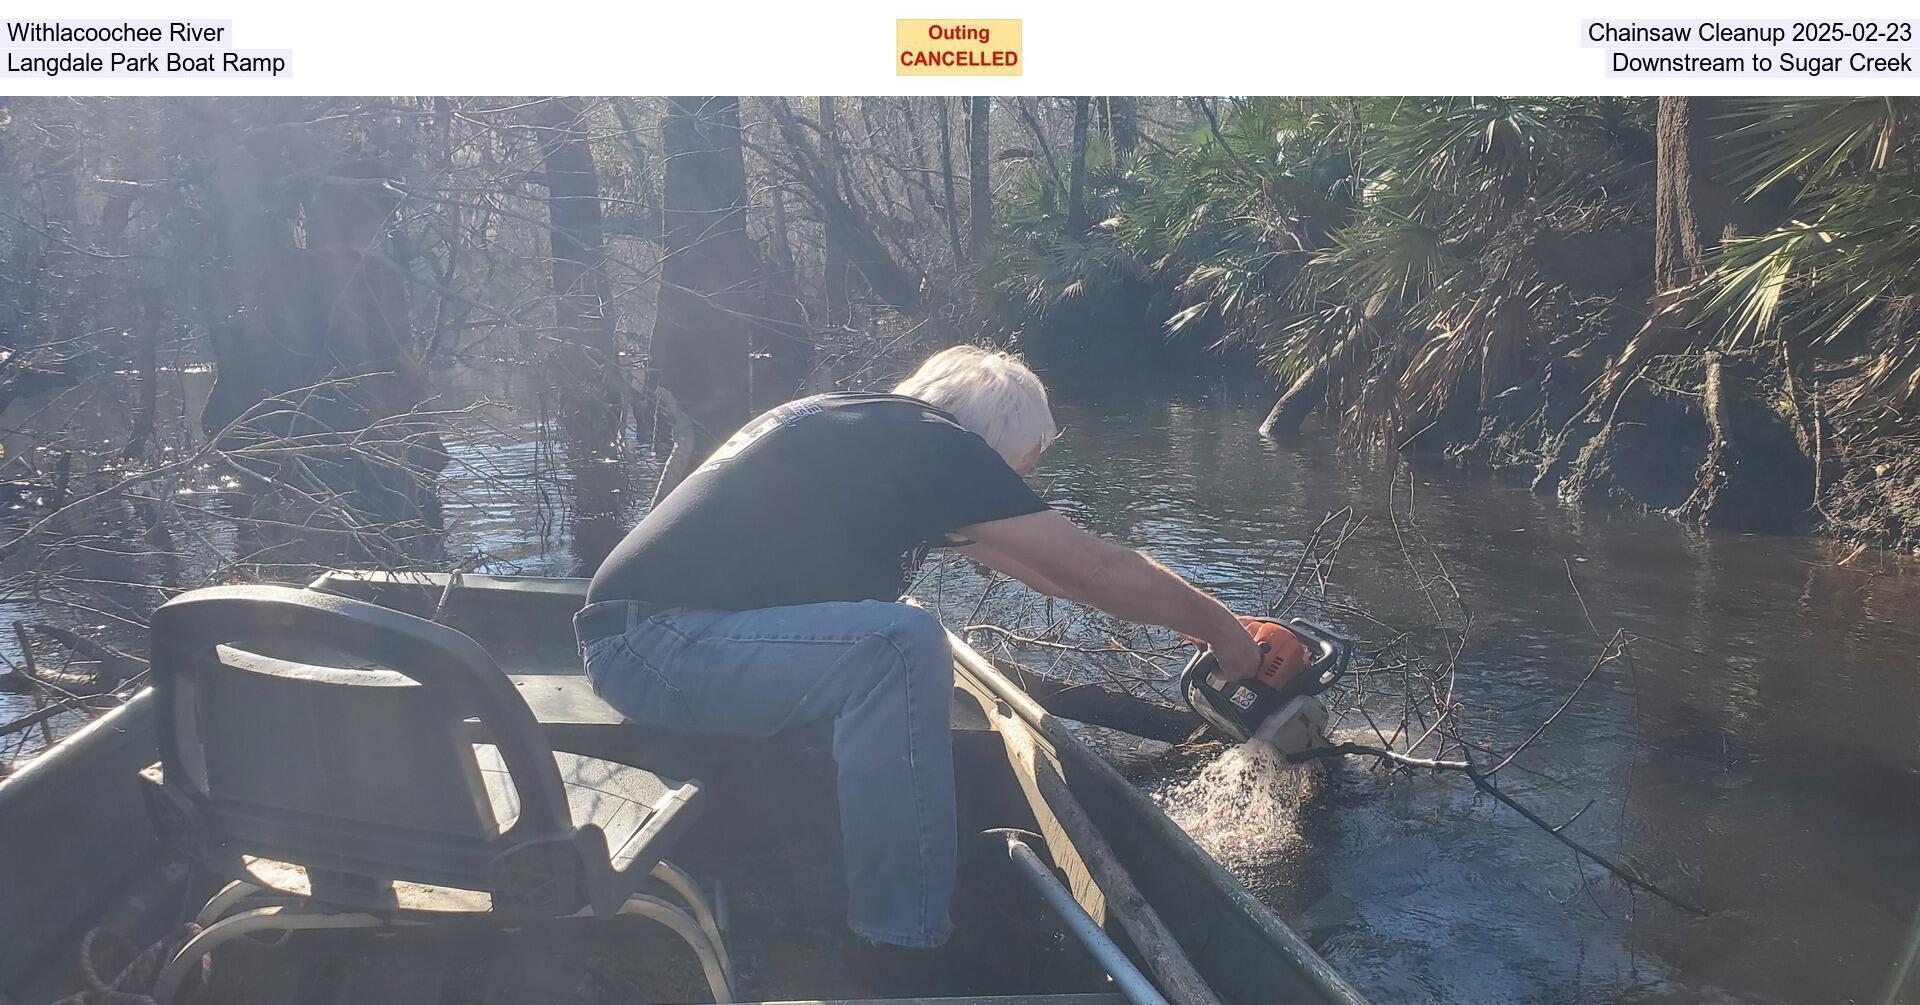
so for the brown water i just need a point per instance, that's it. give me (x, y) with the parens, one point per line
(1760, 757)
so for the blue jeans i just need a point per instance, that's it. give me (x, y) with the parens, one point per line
(882, 672)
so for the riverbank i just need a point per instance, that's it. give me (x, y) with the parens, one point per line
(1733, 442)
(1701, 307)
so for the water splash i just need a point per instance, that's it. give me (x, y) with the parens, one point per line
(1244, 808)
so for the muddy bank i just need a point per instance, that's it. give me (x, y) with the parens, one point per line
(1735, 442)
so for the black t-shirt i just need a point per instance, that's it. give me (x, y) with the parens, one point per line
(833, 497)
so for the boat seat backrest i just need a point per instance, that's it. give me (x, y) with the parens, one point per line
(334, 734)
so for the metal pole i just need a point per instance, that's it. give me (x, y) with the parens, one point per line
(1133, 984)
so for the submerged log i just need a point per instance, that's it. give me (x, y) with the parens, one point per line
(1102, 706)
(1128, 753)
(112, 667)
(1304, 395)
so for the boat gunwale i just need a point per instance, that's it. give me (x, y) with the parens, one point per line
(1085, 762)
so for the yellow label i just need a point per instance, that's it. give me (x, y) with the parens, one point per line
(957, 47)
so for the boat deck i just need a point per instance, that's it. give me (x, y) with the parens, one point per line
(769, 835)
(784, 917)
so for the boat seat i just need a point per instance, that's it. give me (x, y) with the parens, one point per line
(619, 799)
(350, 766)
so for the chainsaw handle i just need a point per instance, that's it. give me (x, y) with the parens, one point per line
(1331, 660)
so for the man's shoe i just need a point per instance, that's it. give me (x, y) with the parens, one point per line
(901, 972)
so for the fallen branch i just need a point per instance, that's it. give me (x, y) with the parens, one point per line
(116, 667)
(91, 702)
(1625, 874)
(1308, 556)
(1110, 648)
(1614, 647)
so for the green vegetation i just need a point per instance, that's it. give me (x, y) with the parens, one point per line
(1489, 277)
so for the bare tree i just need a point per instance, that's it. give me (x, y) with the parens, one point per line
(583, 363)
(709, 276)
(1077, 170)
(1123, 124)
(837, 273)
(979, 163)
(951, 208)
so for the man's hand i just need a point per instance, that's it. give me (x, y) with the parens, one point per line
(1239, 656)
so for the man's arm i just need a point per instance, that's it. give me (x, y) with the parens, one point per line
(1006, 564)
(1049, 553)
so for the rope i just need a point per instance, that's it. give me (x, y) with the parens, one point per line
(131, 985)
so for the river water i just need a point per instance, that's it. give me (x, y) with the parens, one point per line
(1759, 755)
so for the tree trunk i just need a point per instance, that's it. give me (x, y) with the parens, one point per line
(1503, 356)
(583, 368)
(885, 277)
(782, 237)
(322, 311)
(915, 190)
(1055, 180)
(146, 363)
(708, 279)
(781, 355)
(335, 308)
(61, 266)
(780, 343)
(837, 311)
(952, 208)
(1123, 125)
(1077, 172)
(979, 164)
(1693, 208)
(1693, 213)
(1305, 394)
(145, 327)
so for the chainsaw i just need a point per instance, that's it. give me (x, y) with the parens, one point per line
(1278, 706)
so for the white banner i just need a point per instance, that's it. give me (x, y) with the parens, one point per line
(852, 47)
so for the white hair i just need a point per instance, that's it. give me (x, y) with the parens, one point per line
(991, 393)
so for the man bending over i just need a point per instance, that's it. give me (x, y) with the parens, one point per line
(762, 593)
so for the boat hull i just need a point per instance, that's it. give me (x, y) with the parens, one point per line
(76, 837)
